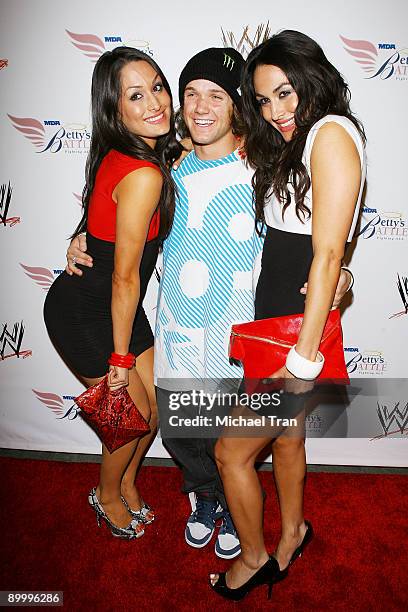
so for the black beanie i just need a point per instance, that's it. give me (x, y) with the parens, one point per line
(221, 65)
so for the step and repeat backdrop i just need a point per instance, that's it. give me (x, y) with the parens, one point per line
(47, 53)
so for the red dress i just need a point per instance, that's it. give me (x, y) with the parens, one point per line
(77, 310)
(102, 208)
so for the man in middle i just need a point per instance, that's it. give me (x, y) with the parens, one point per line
(207, 277)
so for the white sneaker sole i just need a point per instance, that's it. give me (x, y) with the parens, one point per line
(194, 545)
(226, 556)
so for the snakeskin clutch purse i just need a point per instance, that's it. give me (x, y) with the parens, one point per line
(113, 415)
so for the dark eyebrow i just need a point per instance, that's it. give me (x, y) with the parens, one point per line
(141, 86)
(275, 90)
(221, 91)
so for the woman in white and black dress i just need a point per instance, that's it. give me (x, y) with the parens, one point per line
(302, 138)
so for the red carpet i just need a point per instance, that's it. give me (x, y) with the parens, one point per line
(358, 560)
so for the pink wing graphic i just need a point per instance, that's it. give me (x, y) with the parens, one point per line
(92, 46)
(364, 53)
(78, 198)
(42, 276)
(31, 128)
(52, 401)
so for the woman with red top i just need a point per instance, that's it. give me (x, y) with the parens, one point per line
(128, 205)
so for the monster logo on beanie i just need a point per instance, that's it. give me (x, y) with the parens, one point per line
(220, 65)
(228, 61)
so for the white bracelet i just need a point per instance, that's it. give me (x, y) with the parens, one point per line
(346, 269)
(304, 368)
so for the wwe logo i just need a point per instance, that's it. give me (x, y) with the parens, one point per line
(396, 415)
(245, 44)
(5, 200)
(13, 340)
(402, 286)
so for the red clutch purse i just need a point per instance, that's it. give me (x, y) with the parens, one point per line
(112, 414)
(262, 346)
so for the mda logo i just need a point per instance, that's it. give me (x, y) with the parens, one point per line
(70, 138)
(43, 277)
(364, 363)
(63, 407)
(383, 225)
(376, 60)
(93, 46)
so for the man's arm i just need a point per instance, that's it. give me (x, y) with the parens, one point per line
(345, 283)
(76, 254)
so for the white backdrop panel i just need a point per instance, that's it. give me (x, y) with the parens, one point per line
(45, 82)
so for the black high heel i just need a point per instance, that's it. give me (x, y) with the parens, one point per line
(298, 551)
(265, 575)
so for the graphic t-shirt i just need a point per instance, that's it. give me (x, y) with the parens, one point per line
(210, 265)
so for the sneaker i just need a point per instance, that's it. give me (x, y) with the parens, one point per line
(227, 545)
(201, 523)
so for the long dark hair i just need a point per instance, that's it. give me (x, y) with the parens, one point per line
(321, 91)
(109, 132)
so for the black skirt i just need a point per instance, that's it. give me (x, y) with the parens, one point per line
(77, 310)
(286, 261)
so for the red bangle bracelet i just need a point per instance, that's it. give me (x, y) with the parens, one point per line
(121, 364)
(122, 361)
(126, 357)
(129, 357)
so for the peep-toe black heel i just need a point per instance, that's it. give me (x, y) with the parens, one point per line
(265, 575)
(298, 551)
